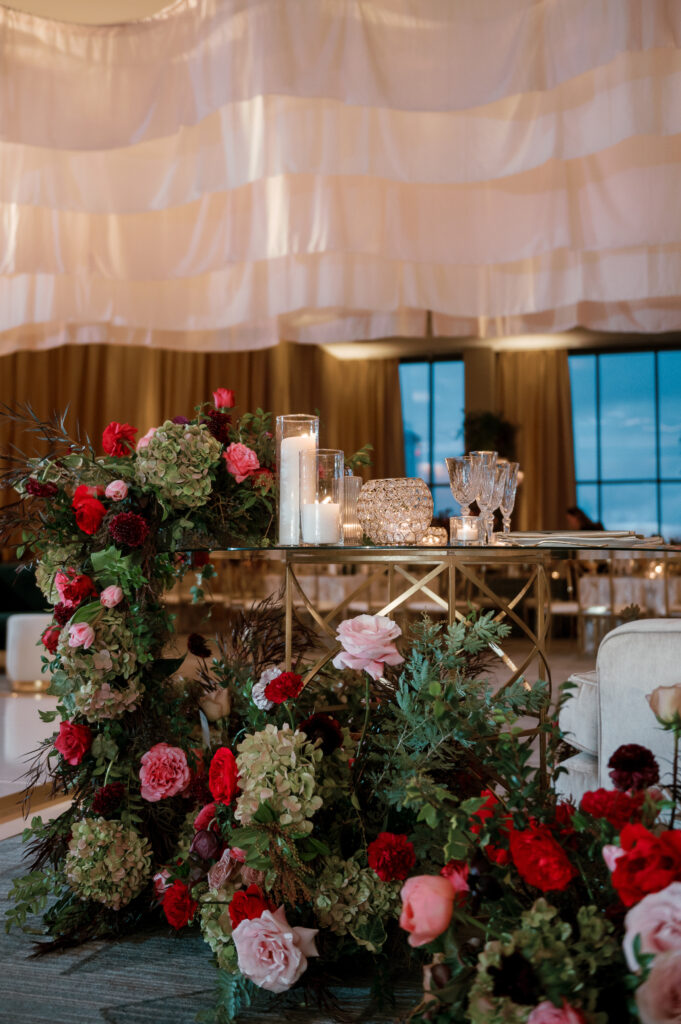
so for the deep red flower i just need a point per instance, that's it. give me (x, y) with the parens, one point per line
(89, 511)
(39, 489)
(206, 818)
(119, 439)
(223, 776)
(650, 863)
(323, 726)
(84, 491)
(205, 845)
(129, 529)
(563, 817)
(50, 638)
(178, 906)
(285, 685)
(198, 646)
(219, 425)
(73, 742)
(63, 612)
(616, 807)
(108, 798)
(540, 860)
(478, 824)
(247, 904)
(391, 856)
(633, 767)
(72, 587)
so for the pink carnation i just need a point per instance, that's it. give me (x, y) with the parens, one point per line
(117, 490)
(241, 461)
(81, 635)
(164, 772)
(659, 997)
(367, 642)
(657, 919)
(111, 596)
(547, 1013)
(271, 953)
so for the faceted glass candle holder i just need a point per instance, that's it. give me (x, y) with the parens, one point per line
(434, 537)
(322, 476)
(465, 531)
(352, 530)
(395, 511)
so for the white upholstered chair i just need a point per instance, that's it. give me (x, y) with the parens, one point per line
(24, 650)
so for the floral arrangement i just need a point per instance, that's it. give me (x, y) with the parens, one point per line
(386, 810)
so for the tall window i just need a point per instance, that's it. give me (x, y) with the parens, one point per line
(626, 414)
(432, 413)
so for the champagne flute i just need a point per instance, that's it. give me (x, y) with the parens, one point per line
(463, 483)
(508, 497)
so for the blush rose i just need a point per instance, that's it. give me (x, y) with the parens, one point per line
(117, 490)
(427, 906)
(271, 953)
(665, 702)
(145, 439)
(367, 642)
(241, 461)
(659, 997)
(164, 772)
(657, 919)
(111, 596)
(81, 635)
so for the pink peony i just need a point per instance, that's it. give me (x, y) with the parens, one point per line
(367, 642)
(271, 953)
(241, 461)
(611, 854)
(111, 596)
(547, 1013)
(657, 919)
(223, 398)
(144, 441)
(117, 490)
(658, 1000)
(427, 905)
(164, 772)
(81, 635)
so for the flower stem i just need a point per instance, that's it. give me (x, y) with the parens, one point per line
(675, 776)
(367, 708)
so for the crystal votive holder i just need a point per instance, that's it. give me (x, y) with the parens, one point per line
(465, 531)
(434, 537)
(322, 476)
(396, 510)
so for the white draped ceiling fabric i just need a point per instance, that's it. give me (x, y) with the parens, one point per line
(228, 173)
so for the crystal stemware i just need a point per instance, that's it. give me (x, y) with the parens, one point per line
(463, 482)
(508, 497)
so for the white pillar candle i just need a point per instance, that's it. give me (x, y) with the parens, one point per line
(321, 523)
(289, 486)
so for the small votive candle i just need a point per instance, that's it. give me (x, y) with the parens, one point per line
(465, 530)
(321, 522)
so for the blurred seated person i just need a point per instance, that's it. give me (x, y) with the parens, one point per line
(578, 520)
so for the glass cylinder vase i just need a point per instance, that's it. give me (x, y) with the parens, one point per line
(322, 474)
(296, 432)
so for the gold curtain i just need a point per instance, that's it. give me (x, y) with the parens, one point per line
(533, 392)
(358, 400)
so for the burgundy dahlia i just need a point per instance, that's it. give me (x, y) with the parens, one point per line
(633, 767)
(129, 529)
(108, 798)
(324, 727)
(218, 424)
(40, 490)
(196, 644)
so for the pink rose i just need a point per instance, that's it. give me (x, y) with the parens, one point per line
(164, 772)
(367, 644)
(223, 398)
(144, 441)
(81, 635)
(117, 489)
(111, 596)
(547, 1013)
(611, 854)
(241, 461)
(658, 999)
(427, 905)
(271, 953)
(657, 919)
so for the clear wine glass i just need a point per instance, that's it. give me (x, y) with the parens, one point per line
(488, 488)
(463, 472)
(508, 497)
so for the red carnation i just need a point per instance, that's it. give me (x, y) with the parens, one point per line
(118, 439)
(73, 742)
(178, 906)
(89, 511)
(478, 824)
(649, 863)
(616, 807)
(39, 489)
(248, 904)
(633, 767)
(285, 685)
(63, 612)
(540, 860)
(206, 818)
(129, 529)
(50, 638)
(391, 856)
(223, 776)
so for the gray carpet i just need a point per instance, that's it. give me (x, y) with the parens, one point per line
(158, 978)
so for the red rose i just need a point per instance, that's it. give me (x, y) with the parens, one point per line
(286, 685)
(223, 398)
(72, 588)
(83, 492)
(73, 742)
(391, 856)
(89, 511)
(178, 906)
(478, 824)
(616, 807)
(206, 818)
(248, 904)
(118, 439)
(50, 638)
(540, 860)
(649, 863)
(223, 776)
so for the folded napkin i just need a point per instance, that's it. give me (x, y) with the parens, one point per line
(623, 539)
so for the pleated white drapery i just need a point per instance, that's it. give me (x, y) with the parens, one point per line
(228, 173)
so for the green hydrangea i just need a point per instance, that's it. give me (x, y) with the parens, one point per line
(107, 862)
(352, 900)
(177, 464)
(278, 766)
(55, 559)
(216, 926)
